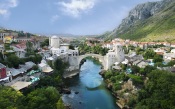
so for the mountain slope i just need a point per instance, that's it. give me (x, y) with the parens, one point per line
(152, 21)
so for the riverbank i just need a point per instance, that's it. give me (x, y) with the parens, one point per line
(69, 74)
(109, 87)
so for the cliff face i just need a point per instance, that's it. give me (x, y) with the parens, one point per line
(139, 15)
(141, 12)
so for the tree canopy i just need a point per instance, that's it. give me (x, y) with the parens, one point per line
(9, 98)
(159, 91)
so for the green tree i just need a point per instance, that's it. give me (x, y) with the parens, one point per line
(10, 98)
(71, 47)
(1, 57)
(126, 51)
(13, 60)
(42, 98)
(60, 104)
(157, 58)
(139, 50)
(171, 63)
(149, 54)
(148, 69)
(35, 67)
(29, 48)
(158, 92)
(45, 43)
(108, 74)
(59, 65)
(135, 69)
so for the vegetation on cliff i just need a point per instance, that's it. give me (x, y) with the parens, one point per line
(152, 21)
(148, 88)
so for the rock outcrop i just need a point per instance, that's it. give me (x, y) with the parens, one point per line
(146, 14)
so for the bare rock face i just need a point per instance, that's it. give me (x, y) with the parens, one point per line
(142, 12)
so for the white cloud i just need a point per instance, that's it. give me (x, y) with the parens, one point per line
(54, 18)
(76, 7)
(6, 5)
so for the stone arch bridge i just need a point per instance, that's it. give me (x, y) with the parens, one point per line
(74, 61)
(100, 57)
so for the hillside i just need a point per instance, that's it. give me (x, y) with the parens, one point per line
(151, 21)
(17, 33)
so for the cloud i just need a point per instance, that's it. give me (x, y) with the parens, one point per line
(75, 8)
(6, 5)
(54, 18)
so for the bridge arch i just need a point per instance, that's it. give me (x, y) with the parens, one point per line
(100, 57)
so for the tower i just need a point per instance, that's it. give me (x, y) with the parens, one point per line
(55, 42)
(120, 56)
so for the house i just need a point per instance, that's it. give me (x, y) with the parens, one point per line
(19, 52)
(73, 53)
(8, 39)
(125, 61)
(20, 85)
(21, 45)
(143, 45)
(142, 64)
(45, 55)
(45, 67)
(173, 45)
(27, 66)
(159, 51)
(3, 34)
(173, 51)
(3, 73)
(135, 57)
(1, 48)
(117, 68)
(136, 62)
(22, 39)
(108, 45)
(15, 72)
(167, 44)
(133, 43)
(169, 56)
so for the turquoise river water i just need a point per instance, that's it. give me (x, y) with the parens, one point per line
(92, 91)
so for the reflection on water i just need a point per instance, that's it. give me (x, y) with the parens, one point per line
(92, 92)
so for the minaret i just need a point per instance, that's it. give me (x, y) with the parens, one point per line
(50, 41)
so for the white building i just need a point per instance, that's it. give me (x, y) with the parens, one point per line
(73, 52)
(111, 59)
(119, 52)
(45, 67)
(54, 42)
(55, 51)
(2, 35)
(169, 56)
(1, 48)
(19, 52)
(61, 50)
(173, 51)
(113, 56)
(64, 47)
(22, 39)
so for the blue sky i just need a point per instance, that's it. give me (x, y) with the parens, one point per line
(78, 17)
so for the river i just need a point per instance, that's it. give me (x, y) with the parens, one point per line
(92, 91)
